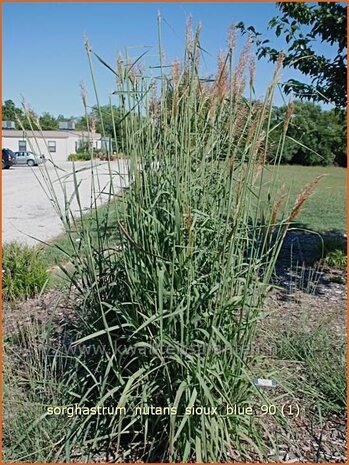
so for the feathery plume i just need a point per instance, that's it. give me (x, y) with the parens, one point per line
(278, 67)
(189, 34)
(289, 113)
(252, 69)
(239, 77)
(83, 93)
(231, 37)
(176, 72)
(303, 196)
(280, 197)
(119, 67)
(221, 84)
(93, 124)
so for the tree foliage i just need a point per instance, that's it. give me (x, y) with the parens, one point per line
(314, 136)
(10, 112)
(48, 121)
(302, 25)
(110, 121)
(103, 117)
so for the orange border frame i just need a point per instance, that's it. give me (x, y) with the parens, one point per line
(152, 1)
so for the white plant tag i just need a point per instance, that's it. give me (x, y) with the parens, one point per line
(264, 382)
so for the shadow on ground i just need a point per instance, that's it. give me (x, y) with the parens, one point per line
(299, 265)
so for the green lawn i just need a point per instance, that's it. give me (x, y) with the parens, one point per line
(325, 210)
(53, 255)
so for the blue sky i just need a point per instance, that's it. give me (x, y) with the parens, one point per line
(44, 58)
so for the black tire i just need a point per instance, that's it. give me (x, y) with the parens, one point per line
(31, 163)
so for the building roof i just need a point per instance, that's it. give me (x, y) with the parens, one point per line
(62, 134)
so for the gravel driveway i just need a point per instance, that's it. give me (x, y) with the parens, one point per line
(27, 210)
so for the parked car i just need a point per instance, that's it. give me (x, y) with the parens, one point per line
(8, 159)
(29, 158)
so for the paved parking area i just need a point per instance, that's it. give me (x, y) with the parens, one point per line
(27, 211)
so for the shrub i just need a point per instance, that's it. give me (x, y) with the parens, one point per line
(84, 146)
(110, 156)
(85, 156)
(315, 136)
(334, 252)
(24, 272)
(80, 156)
(337, 258)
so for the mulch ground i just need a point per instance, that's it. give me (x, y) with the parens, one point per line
(308, 297)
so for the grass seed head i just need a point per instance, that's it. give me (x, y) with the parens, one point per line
(231, 38)
(239, 76)
(176, 72)
(221, 84)
(303, 196)
(189, 42)
(289, 113)
(119, 67)
(83, 93)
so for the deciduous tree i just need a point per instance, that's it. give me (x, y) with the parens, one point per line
(302, 25)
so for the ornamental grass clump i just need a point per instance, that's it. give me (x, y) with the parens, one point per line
(169, 293)
(24, 274)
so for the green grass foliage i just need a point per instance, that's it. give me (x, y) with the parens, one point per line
(24, 273)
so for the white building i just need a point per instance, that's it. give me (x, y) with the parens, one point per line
(59, 144)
